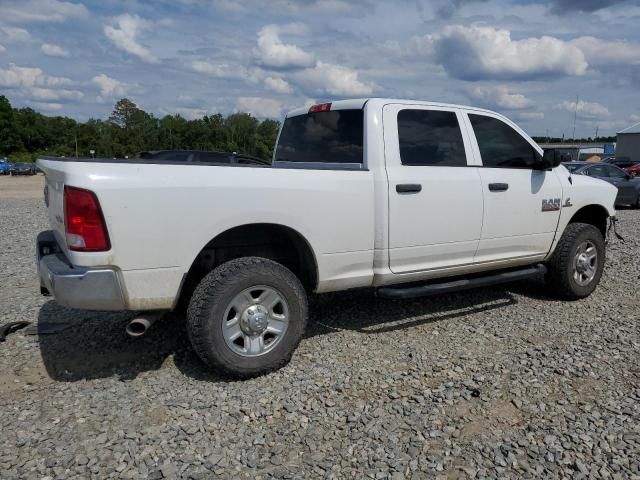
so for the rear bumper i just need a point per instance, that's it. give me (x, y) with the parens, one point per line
(76, 287)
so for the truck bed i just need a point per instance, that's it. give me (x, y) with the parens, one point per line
(160, 215)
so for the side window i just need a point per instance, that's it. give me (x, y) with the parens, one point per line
(598, 171)
(500, 145)
(430, 137)
(615, 172)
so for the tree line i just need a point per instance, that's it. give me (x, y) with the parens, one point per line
(26, 134)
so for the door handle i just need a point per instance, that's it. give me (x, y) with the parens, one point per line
(408, 188)
(498, 187)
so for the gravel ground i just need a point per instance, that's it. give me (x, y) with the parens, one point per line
(497, 383)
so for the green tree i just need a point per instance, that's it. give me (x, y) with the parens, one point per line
(9, 135)
(123, 111)
(26, 134)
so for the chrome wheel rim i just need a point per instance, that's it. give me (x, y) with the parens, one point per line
(255, 321)
(585, 263)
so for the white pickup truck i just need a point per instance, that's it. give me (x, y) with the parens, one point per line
(411, 198)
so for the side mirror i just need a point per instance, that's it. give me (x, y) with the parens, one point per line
(551, 159)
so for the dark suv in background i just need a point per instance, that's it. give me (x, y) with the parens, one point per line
(628, 186)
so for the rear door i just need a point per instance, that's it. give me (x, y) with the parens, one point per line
(521, 204)
(435, 199)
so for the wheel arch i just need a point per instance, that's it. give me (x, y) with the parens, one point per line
(274, 241)
(593, 214)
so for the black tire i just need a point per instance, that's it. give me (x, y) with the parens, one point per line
(214, 294)
(560, 275)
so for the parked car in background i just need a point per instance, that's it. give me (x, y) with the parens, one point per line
(5, 167)
(202, 156)
(622, 162)
(628, 186)
(23, 169)
(633, 170)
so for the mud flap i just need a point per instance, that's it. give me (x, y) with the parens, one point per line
(612, 229)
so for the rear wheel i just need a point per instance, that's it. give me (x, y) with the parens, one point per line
(577, 263)
(247, 316)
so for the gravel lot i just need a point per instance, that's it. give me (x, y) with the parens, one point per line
(499, 383)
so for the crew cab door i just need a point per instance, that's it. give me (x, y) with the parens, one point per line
(435, 197)
(521, 203)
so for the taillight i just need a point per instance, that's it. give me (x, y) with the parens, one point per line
(320, 107)
(84, 222)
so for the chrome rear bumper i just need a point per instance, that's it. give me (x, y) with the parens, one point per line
(76, 287)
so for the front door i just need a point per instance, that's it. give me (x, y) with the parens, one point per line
(521, 204)
(435, 198)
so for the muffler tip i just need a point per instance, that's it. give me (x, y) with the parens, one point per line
(140, 325)
(136, 328)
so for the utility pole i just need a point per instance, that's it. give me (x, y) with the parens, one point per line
(75, 136)
(575, 116)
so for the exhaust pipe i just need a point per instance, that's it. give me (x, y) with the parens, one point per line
(140, 325)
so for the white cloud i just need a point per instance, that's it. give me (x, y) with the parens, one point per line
(278, 85)
(306, 7)
(186, 112)
(17, 11)
(219, 70)
(54, 95)
(15, 34)
(46, 106)
(53, 50)
(475, 53)
(531, 115)
(14, 76)
(259, 106)
(2, 49)
(110, 88)
(602, 53)
(500, 97)
(123, 34)
(34, 85)
(326, 78)
(585, 109)
(273, 52)
(225, 70)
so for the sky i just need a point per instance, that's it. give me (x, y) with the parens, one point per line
(527, 59)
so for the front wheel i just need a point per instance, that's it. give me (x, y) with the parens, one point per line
(247, 317)
(577, 263)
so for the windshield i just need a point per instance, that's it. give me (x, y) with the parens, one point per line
(322, 137)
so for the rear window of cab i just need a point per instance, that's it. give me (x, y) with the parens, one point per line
(322, 137)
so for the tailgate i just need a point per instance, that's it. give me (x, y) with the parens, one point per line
(55, 173)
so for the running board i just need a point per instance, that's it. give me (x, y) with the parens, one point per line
(429, 289)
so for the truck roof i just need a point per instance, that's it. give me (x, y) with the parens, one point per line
(357, 103)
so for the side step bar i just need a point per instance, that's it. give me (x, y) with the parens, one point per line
(429, 289)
